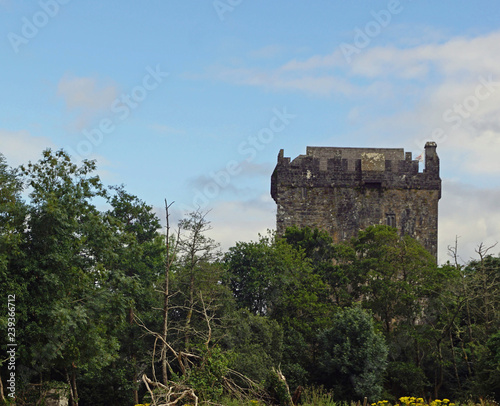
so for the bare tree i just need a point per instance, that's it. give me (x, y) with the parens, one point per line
(198, 251)
(192, 256)
(170, 255)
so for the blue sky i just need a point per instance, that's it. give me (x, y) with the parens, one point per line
(192, 100)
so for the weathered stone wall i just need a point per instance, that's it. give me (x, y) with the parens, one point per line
(344, 190)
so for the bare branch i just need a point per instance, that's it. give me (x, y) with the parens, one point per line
(482, 251)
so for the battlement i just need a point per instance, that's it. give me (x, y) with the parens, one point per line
(369, 158)
(359, 167)
(345, 189)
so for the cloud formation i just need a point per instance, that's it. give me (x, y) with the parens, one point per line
(470, 214)
(19, 147)
(448, 92)
(85, 98)
(444, 90)
(244, 219)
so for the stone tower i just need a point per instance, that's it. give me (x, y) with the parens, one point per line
(344, 190)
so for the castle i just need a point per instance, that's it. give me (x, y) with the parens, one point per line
(344, 190)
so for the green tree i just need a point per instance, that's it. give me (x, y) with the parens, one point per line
(198, 271)
(473, 320)
(316, 244)
(71, 310)
(12, 218)
(352, 356)
(273, 279)
(131, 275)
(256, 343)
(408, 294)
(12, 215)
(392, 275)
(488, 372)
(334, 263)
(12, 284)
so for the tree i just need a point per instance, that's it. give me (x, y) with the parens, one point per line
(132, 273)
(193, 363)
(197, 269)
(67, 243)
(271, 278)
(12, 221)
(256, 343)
(352, 356)
(12, 215)
(12, 218)
(476, 320)
(316, 244)
(398, 280)
(488, 372)
(391, 275)
(333, 263)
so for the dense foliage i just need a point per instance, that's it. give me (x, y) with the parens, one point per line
(106, 308)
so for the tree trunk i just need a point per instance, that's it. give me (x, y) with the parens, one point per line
(72, 385)
(136, 392)
(166, 292)
(134, 359)
(165, 328)
(440, 377)
(2, 396)
(454, 361)
(190, 312)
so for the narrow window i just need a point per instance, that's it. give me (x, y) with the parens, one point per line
(390, 220)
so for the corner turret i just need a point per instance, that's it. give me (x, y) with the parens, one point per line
(431, 159)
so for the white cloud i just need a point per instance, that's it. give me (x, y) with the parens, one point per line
(267, 52)
(285, 79)
(166, 130)
(230, 221)
(445, 90)
(471, 214)
(85, 98)
(329, 74)
(234, 221)
(336, 59)
(19, 147)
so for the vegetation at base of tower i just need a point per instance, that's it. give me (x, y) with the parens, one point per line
(101, 306)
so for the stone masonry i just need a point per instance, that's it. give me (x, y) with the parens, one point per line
(344, 190)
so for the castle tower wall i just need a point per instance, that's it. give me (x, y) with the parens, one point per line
(344, 190)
